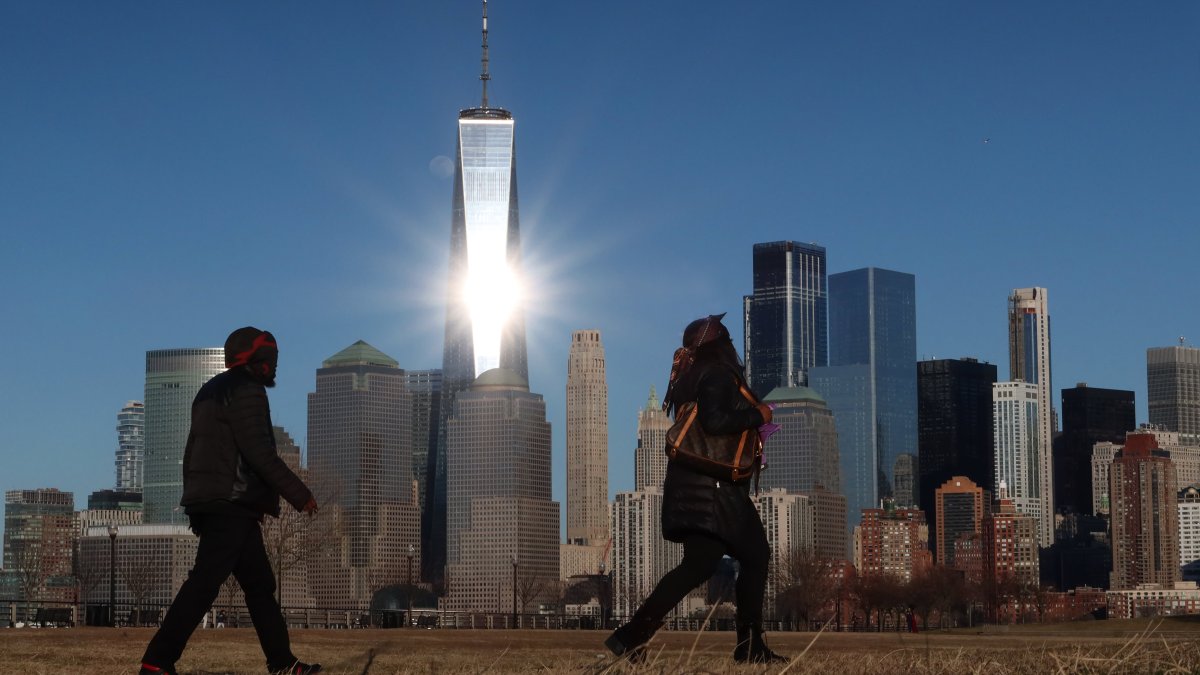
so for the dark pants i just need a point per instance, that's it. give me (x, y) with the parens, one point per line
(700, 557)
(228, 545)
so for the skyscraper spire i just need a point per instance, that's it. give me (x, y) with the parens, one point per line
(483, 75)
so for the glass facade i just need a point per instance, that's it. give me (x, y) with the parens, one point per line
(131, 446)
(871, 381)
(485, 317)
(173, 376)
(1091, 415)
(785, 319)
(1173, 388)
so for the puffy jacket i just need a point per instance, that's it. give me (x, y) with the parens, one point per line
(694, 503)
(230, 456)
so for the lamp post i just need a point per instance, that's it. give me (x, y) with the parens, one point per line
(514, 606)
(408, 592)
(112, 575)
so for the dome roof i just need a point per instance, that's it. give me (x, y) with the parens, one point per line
(793, 395)
(500, 378)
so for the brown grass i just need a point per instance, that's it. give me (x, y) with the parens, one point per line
(1096, 647)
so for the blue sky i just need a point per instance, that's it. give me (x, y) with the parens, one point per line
(170, 171)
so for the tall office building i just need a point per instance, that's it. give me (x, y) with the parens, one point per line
(503, 526)
(131, 446)
(871, 381)
(961, 506)
(1184, 454)
(359, 456)
(1090, 415)
(38, 536)
(650, 457)
(485, 318)
(954, 427)
(173, 376)
(425, 395)
(1145, 515)
(587, 441)
(1016, 413)
(640, 555)
(803, 454)
(1029, 361)
(1173, 388)
(785, 318)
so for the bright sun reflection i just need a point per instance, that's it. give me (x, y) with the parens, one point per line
(492, 292)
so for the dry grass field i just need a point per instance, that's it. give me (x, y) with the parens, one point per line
(1096, 647)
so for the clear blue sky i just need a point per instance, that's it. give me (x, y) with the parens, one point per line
(170, 171)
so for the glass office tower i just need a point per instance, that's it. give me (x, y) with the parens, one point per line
(173, 376)
(785, 319)
(871, 381)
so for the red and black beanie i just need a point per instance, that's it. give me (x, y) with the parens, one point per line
(249, 344)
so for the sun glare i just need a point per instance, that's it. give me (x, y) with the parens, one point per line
(491, 295)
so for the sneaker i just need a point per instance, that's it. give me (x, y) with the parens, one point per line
(299, 668)
(148, 669)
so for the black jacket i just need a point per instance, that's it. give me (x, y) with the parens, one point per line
(694, 503)
(230, 464)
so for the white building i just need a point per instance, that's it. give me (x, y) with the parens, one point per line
(1150, 600)
(640, 554)
(131, 446)
(151, 563)
(789, 523)
(1029, 361)
(1189, 532)
(1016, 412)
(587, 441)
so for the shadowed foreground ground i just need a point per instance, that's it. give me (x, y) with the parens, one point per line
(1096, 647)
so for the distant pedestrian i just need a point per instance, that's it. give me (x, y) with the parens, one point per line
(232, 477)
(221, 619)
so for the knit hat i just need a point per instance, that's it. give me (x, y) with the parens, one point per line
(249, 344)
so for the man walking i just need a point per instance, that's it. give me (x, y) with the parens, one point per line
(232, 477)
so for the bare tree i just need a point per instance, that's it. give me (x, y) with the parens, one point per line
(530, 586)
(140, 576)
(805, 583)
(294, 538)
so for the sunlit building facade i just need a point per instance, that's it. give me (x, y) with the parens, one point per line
(650, 457)
(131, 446)
(1029, 361)
(1016, 410)
(173, 376)
(587, 441)
(39, 529)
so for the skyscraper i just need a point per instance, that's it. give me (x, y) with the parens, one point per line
(587, 441)
(1016, 414)
(1145, 515)
(640, 554)
(131, 446)
(785, 318)
(892, 542)
(871, 381)
(803, 454)
(960, 506)
(359, 456)
(1029, 361)
(485, 318)
(503, 526)
(425, 393)
(173, 376)
(650, 457)
(1173, 388)
(954, 427)
(1090, 415)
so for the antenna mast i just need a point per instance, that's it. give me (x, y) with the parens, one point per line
(483, 76)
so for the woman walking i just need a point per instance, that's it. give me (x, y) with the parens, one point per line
(711, 517)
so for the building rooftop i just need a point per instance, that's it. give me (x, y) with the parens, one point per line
(360, 354)
(500, 378)
(793, 395)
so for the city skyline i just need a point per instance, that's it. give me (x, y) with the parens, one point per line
(343, 204)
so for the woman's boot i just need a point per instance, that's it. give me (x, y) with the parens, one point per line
(629, 640)
(752, 649)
